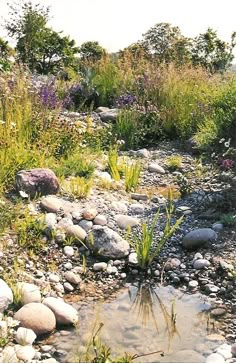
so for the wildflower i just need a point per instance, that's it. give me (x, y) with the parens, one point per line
(227, 143)
(227, 164)
(23, 194)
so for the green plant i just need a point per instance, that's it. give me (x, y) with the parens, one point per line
(132, 175)
(78, 186)
(184, 185)
(174, 162)
(76, 164)
(126, 128)
(113, 163)
(145, 246)
(228, 220)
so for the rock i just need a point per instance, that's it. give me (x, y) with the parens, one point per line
(217, 227)
(139, 196)
(218, 312)
(173, 263)
(6, 296)
(100, 219)
(133, 258)
(193, 284)
(29, 293)
(225, 351)
(211, 288)
(184, 356)
(86, 225)
(50, 220)
(184, 210)
(100, 266)
(64, 223)
(104, 175)
(68, 251)
(156, 168)
(200, 264)
(72, 277)
(51, 204)
(37, 182)
(192, 146)
(65, 313)
(50, 360)
(215, 338)
(110, 115)
(54, 278)
(89, 214)
(102, 109)
(198, 237)
(25, 336)
(119, 206)
(25, 354)
(76, 232)
(143, 153)
(107, 243)
(215, 358)
(226, 266)
(233, 349)
(124, 221)
(137, 208)
(37, 317)
(9, 355)
(68, 287)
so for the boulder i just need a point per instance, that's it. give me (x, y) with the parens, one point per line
(198, 237)
(106, 243)
(6, 296)
(110, 115)
(124, 221)
(65, 313)
(37, 182)
(38, 317)
(29, 293)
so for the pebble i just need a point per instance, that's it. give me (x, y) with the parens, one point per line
(72, 277)
(100, 266)
(156, 168)
(200, 264)
(68, 287)
(68, 251)
(193, 284)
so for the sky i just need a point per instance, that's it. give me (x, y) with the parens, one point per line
(116, 24)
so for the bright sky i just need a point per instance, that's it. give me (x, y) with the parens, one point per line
(116, 24)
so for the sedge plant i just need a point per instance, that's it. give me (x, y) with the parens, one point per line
(132, 175)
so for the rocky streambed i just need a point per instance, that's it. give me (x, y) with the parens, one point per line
(62, 283)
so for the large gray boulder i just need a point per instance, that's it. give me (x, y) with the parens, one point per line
(106, 243)
(198, 237)
(37, 182)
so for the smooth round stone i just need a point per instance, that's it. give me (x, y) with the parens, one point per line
(37, 317)
(119, 206)
(100, 266)
(86, 225)
(25, 336)
(137, 208)
(217, 227)
(200, 264)
(133, 258)
(156, 168)
(100, 219)
(218, 312)
(51, 204)
(225, 351)
(124, 221)
(215, 358)
(142, 153)
(64, 223)
(68, 266)
(72, 277)
(6, 295)
(157, 273)
(198, 256)
(59, 288)
(193, 284)
(123, 275)
(68, 287)
(65, 313)
(24, 353)
(53, 278)
(89, 213)
(68, 251)
(198, 237)
(46, 348)
(76, 232)
(29, 293)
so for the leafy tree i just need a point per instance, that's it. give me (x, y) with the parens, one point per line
(166, 44)
(38, 46)
(5, 52)
(91, 51)
(211, 52)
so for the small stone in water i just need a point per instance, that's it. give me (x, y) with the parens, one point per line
(193, 284)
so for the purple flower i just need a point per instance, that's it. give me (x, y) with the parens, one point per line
(126, 100)
(227, 164)
(48, 96)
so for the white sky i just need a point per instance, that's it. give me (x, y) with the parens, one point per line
(116, 24)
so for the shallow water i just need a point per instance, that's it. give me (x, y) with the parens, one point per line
(142, 320)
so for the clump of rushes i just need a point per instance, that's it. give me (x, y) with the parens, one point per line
(78, 186)
(145, 246)
(228, 220)
(132, 175)
(113, 163)
(174, 162)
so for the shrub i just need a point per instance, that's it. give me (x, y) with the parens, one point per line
(132, 175)
(174, 162)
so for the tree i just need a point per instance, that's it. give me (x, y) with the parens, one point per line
(91, 51)
(166, 44)
(211, 52)
(38, 46)
(5, 53)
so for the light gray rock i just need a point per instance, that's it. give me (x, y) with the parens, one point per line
(68, 251)
(37, 182)
(215, 358)
(225, 351)
(65, 313)
(25, 353)
(200, 264)
(25, 336)
(119, 206)
(100, 219)
(133, 258)
(110, 115)
(193, 284)
(156, 168)
(29, 293)
(64, 223)
(218, 227)
(198, 237)
(107, 243)
(211, 288)
(37, 317)
(124, 221)
(86, 225)
(72, 277)
(54, 278)
(50, 220)
(9, 355)
(143, 153)
(137, 208)
(68, 287)
(100, 266)
(102, 109)
(51, 204)
(89, 213)
(6, 295)
(76, 232)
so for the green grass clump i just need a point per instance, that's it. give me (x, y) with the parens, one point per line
(132, 174)
(113, 163)
(228, 220)
(174, 162)
(145, 246)
(77, 164)
(78, 187)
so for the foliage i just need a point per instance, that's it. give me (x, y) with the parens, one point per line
(146, 248)
(228, 220)
(5, 52)
(174, 162)
(78, 186)
(91, 51)
(41, 48)
(184, 185)
(80, 95)
(113, 163)
(132, 174)
(76, 164)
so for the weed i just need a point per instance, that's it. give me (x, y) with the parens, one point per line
(228, 220)
(113, 163)
(132, 175)
(77, 164)
(144, 244)
(79, 187)
(174, 162)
